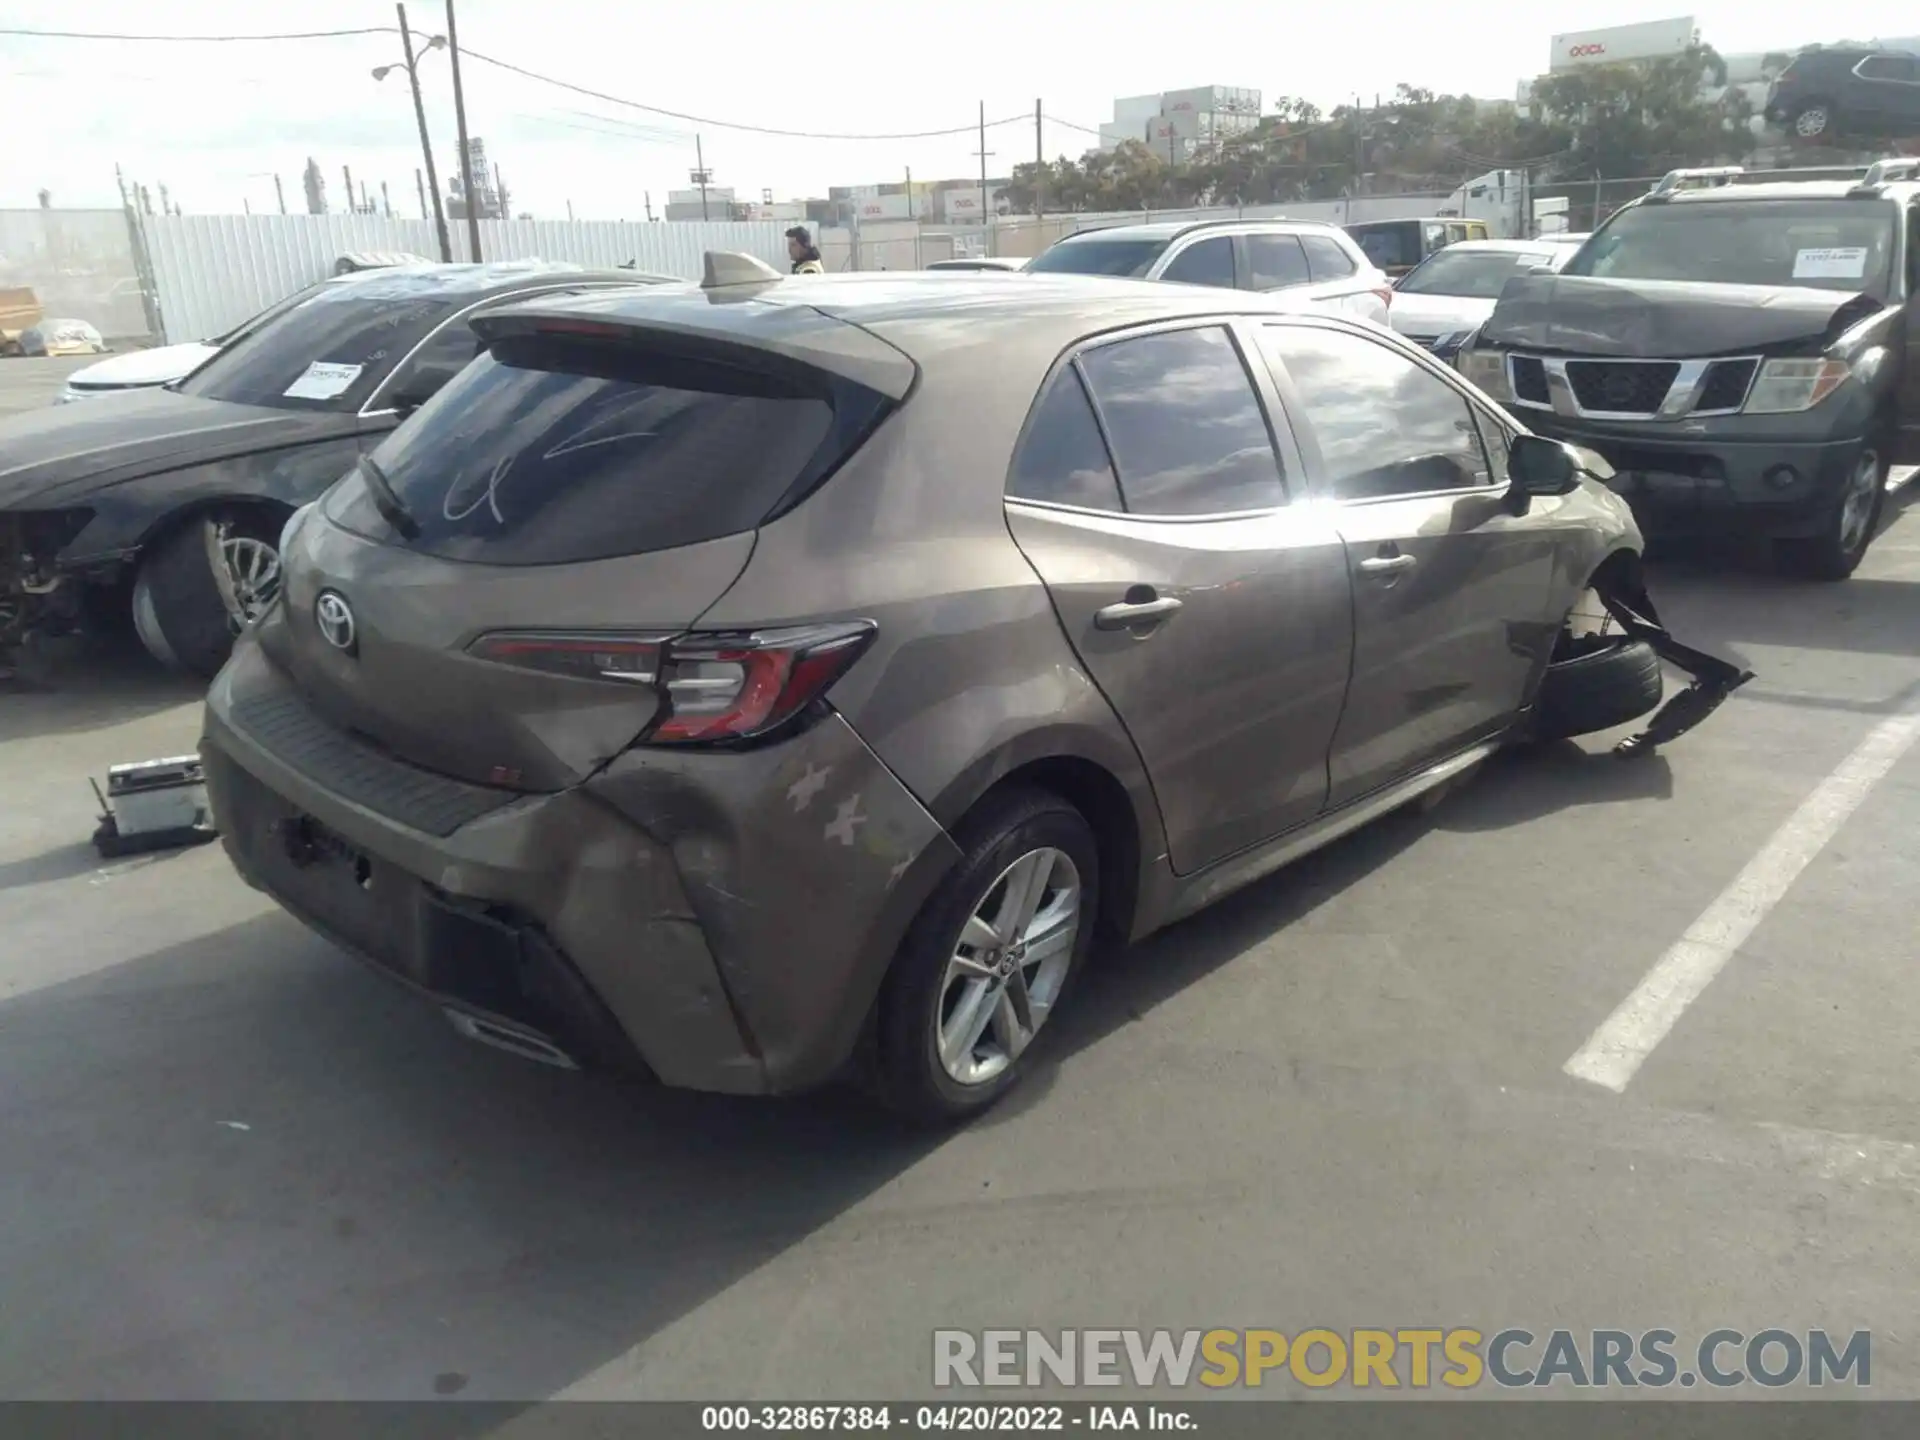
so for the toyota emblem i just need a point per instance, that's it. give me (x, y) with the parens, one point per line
(335, 618)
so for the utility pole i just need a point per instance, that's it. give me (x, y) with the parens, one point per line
(569, 212)
(353, 205)
(386, 200)
(909, 192)
(246, 205)
(648, 195)
(466, 154)
(280, 194)
(432, 183)
(983, 153)
(700, 174)
(1040, 163)
(366, 200)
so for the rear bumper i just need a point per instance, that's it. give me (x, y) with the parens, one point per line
(1698, 486)
(719, 921)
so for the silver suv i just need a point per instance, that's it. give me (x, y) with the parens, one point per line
(1309, 261)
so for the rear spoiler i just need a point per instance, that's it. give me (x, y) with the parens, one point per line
(718, 323)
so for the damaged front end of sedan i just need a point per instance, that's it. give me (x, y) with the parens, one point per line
(36, 599)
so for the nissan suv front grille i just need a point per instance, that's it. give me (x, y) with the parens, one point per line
(1621, 387)
(1617, 389)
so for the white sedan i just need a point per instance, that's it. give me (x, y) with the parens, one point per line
(1451, 293)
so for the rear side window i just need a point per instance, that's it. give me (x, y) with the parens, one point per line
(1886, 67)
(1189, 437)
(1391, 244)
(543, 453)
(1210, 262)
(1277, 262)
(1062, 459)
(1327, 259)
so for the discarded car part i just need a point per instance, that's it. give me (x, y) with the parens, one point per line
(1714, 679)
(153, 805)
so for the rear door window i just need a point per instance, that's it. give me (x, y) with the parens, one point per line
(1277, 262)
(545, 452)
(1327, 259)
(1189, 436)
(1209, 262)
(1887, 67)
(1063, 460)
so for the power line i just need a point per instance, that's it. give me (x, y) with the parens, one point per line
(473, 54)
(199, 39)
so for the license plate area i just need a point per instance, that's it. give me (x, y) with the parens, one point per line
(309, 844)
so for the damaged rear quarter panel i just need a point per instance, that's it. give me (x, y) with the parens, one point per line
(804, 863)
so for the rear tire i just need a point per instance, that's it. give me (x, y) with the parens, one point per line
(179, 606)
(1813, 123)
(943, 974)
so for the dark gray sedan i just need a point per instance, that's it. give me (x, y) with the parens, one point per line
(732, 685)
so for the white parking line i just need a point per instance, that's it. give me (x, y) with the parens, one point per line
(1624, 1040)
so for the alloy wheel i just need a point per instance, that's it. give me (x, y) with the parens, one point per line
(247, 570)
(1008, 967)
(1811, 123)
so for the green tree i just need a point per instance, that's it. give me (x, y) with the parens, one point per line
(1644, 119)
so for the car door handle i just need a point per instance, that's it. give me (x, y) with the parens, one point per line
(1387, 564)
(1142, 612)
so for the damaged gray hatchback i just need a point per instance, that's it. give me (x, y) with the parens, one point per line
(749, 683)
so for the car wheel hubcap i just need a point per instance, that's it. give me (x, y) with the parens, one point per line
(1811, 122)
(1006, 970)
(248, 570)
(1856, 506)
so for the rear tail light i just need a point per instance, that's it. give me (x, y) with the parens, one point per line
(710, 687)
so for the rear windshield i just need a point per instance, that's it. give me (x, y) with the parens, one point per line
(543, 454)
(1099, 257)
(1393, 243)
(1475, 274)
(329, 352)
(1825, 244)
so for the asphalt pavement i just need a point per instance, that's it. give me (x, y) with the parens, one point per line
(234, 1164)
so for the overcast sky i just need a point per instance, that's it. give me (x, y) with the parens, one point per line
(216, 122)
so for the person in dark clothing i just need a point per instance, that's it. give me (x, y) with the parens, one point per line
(804, 254)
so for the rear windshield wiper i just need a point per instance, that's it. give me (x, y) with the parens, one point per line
(391, 507)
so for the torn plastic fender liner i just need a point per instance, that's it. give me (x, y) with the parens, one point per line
(1625, 596)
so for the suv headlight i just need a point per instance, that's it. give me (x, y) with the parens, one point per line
(1786, 387)
(1487, 369)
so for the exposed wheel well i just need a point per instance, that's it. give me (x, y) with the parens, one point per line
(1621, 569)
(1103, 800)
(273, 512)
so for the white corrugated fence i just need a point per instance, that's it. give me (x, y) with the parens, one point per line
(210, 272)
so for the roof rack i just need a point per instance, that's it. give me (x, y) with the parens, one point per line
(1675, 179)
(1883, 172)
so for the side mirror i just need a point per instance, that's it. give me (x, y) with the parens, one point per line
(1539, 466)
